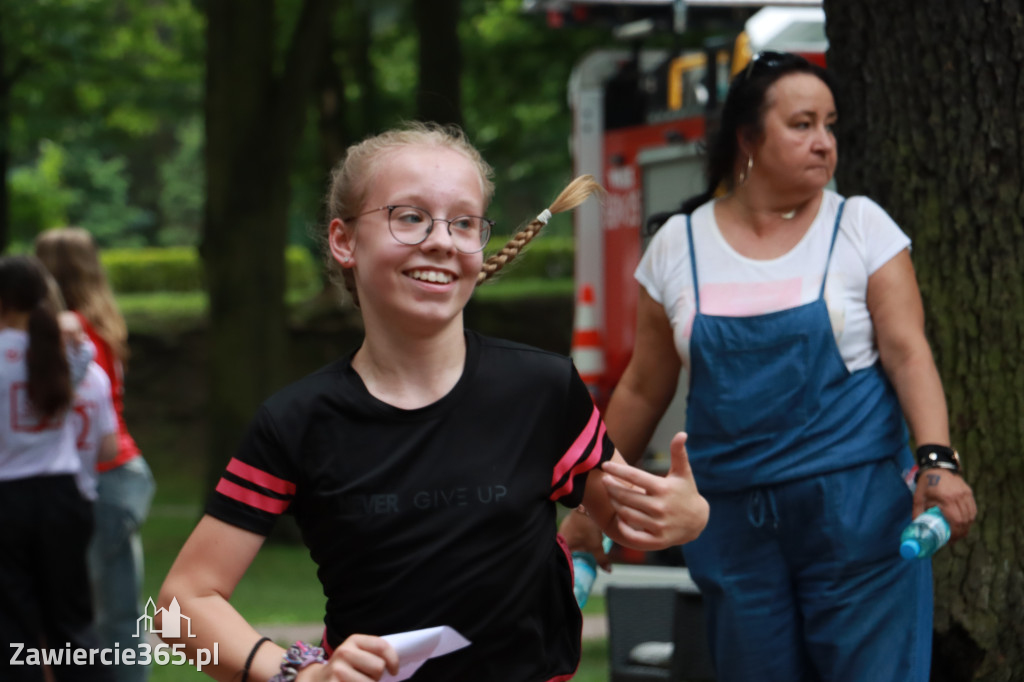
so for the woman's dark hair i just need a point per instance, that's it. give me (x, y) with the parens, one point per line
(23, 288)
(744, 110)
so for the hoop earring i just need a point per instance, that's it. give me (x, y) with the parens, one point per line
(745, 174)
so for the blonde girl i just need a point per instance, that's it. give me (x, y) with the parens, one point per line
(424, 467)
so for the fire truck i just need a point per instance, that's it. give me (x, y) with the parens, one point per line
(640, 115)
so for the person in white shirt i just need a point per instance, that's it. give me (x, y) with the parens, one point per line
(45, 522)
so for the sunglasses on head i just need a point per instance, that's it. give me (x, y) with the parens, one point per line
(769, 59)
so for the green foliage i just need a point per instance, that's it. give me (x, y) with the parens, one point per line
(108, 83)
(548, 257)
(138, 270)
(181, 186)
(38, 199)
(515, 82)
(100, 199)
(179, 269)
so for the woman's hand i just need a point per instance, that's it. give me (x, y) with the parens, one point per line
(360, 658)
(951, 494)
(654, 512)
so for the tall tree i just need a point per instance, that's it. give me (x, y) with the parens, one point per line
(103, 84)
(439, 95)
(931, 128)
(257, 94)
(36, 38)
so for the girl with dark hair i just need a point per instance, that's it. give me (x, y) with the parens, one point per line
(796, 313)
(45, 523)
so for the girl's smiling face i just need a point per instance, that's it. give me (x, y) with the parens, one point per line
(423, 284)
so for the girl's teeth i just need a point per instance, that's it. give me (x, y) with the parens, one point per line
(432, 276)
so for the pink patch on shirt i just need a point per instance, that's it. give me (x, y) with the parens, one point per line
(744, 299)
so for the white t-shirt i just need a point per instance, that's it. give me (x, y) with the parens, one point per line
(29, 446)
(93, 418)
(732, 285)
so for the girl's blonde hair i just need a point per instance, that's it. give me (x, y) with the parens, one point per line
(351, 177)
(70, 254)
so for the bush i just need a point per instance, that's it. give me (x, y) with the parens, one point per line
(133, 271)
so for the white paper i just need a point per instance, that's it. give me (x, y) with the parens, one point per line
(416, 647)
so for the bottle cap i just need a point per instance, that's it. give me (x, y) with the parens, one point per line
(909, 549)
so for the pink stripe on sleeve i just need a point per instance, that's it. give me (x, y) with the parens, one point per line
(586, 465)
(260, 477)
(251, 497)
(576, 450)
(577, 460)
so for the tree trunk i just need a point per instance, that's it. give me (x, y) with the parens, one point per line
(254, 117)
(5, 144)
(439, 97)
(931, 129)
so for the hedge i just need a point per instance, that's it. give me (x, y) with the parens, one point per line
(146, 270)
(178, 269)
(546, 258)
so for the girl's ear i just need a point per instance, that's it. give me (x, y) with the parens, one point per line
(342, 243)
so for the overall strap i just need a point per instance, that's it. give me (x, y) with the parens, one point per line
(835, 233)
(693, 261)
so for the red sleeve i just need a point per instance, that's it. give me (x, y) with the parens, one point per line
(104, 354)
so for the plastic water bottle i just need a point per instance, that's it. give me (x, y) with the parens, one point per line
(925, 535)
(584, 570)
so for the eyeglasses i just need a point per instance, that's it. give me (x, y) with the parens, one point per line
(769, 59)
(411, 225)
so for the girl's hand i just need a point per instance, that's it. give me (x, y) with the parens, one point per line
(654, 512)
(70, 328)
(360, 658)
(582, 534)
(951, 494)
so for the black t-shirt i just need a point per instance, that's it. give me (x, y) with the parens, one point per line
(442, 515)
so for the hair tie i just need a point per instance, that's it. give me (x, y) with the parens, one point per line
(544, 216)
(252, 655)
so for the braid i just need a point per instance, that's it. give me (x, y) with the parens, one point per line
(572, 196)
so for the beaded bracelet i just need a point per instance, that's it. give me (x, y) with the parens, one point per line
(298, 656)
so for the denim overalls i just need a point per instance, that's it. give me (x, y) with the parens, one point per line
(800, 461)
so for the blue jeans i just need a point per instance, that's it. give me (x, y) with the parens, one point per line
(802, 581)
(115, 558)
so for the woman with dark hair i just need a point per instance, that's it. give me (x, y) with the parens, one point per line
(797, 315)
(45, 523)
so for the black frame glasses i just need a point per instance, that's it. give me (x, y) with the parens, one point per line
(415, 224)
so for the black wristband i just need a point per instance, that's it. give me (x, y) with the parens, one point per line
(252, 655)
(938, 457)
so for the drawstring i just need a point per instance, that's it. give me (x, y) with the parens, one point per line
(756, 508)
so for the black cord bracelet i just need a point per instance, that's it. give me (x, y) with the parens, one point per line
(252, 655)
